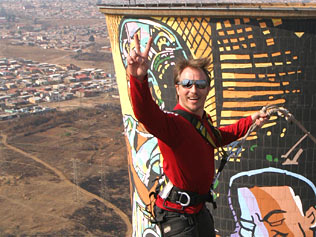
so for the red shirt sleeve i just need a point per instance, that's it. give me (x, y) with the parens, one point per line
(156, 121)
(235, 131)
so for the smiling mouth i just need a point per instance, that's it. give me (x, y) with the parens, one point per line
(193, 98)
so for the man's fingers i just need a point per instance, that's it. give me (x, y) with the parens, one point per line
(129, 60)
(133, 55)
(148, 46)
(132, 58)
(140, 60)
(137, 47)
(137, 44)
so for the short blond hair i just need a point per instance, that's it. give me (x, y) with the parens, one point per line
(198, 63)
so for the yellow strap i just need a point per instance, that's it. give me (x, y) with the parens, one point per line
(209, 138)
(205, 134)
(198, 125)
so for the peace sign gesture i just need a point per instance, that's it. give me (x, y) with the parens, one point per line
(137, 61)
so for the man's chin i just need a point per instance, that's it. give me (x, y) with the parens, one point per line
(194, 109)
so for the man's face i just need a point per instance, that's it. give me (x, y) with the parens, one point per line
(192, 98)
(273, 211)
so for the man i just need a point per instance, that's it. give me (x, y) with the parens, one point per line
(282, 203)
(188, 158)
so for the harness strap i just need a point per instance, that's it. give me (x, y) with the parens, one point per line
(184, 198)
(187, 198)
(203, 132)
(200, 127)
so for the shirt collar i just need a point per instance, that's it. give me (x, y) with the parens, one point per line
(178, 106)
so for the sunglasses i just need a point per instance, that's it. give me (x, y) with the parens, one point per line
(186, 83)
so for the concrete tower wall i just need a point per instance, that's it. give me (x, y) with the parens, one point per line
(268, 186)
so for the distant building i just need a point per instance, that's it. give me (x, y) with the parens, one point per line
(35, 100)
(87, 93)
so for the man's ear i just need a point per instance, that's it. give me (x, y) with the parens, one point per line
(311, 217)
(177, 89)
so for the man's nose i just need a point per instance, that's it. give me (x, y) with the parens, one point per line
(193, 88)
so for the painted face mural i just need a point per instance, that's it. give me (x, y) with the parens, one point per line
(256, 62)
(280, 210)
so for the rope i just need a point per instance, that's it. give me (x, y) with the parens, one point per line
(235, 147)
(268, 110)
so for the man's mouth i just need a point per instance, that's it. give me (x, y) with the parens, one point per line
(193, 98)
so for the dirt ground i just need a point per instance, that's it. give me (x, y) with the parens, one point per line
(64, 173)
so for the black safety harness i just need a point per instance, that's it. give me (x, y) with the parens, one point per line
(183, 197)
(186, 198)
(201, 129)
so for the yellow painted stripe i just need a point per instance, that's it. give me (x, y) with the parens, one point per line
(237, 113)
(227, 24)
(250, 84)
(229, 75)
(248, 29)
(227, 122)
(266, 32)
(252, 138)
(230, 113)
(230, 32)
(267, 75)
(276, 22)
(218, 26)
(267, 125)
(236, 65)
(263, 64)
(252, 103)
(262, 55)
(276, 54)
(249, 94)
(234, 56)
(244, 65)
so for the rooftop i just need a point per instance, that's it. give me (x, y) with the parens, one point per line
(266, 8)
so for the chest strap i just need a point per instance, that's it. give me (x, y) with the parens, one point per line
(200, 128)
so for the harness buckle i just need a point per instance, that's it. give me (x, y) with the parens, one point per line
(185, 196)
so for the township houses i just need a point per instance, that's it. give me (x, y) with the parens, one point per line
(25, 83)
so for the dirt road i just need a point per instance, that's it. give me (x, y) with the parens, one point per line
(64, 179)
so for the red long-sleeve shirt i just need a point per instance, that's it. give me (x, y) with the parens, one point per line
(188, 160)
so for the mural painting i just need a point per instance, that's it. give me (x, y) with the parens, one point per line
(256, 62)
(282, 209)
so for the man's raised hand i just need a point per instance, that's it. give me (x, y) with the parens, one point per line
(137, 61)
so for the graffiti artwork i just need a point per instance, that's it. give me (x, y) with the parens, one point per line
(282, 209)
(256, 62)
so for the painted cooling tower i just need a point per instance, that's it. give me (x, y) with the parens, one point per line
(261, 55)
